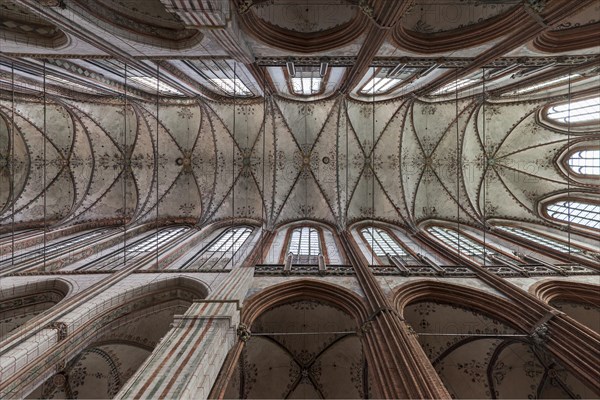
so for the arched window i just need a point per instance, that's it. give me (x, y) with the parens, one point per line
(382, 243)
(233, 237)
(220, 252)
(459, 242)
(577, 112)
(305, 244)
(152, 241)
(135, 250)
(577, 212)
(585, 162)
(56, 248)
(386, 80)
(536, 238)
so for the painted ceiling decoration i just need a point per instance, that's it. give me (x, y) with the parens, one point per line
(317, 178)
(279, 111)
(302, 364)
(22, 26)
(482, 357)
(336, 161)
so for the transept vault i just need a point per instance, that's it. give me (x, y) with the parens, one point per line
(299, 199)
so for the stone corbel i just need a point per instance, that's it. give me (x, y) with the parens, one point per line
(245, 6)
(536, 5)
(53, 3)
(539, 334)
(367, 9)
(365, 328)
(243, 333)
(61, 329)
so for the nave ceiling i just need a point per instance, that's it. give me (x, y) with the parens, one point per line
(337, 161)
(417, 152)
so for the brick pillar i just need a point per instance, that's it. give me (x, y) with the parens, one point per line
(574, 346)
(186, 362)
(400, 368)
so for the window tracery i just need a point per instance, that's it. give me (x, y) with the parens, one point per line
(55, 248)
(151, 242)
(386, 80)
(459, 242)
(540, 239)
(305, 241)
(221, 251)
(382, 243)
(541, 85)
(134, 250)
(583, 111)
(585, 162)
(306, 81)
(577, 212)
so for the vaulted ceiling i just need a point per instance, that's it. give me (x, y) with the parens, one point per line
(127, 109)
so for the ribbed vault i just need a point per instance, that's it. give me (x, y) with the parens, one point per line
(277, 160)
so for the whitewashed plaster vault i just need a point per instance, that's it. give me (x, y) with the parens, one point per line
(276, 161)
(488, 366)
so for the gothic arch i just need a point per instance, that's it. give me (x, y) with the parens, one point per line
(491, 305)
(304, 289)
(21, 305)
(550, 289)
(138, 25)
(579, 301)
(286, 38)
(475, 34)
(30, 30)
(560, 41)
(107, 317)
(481, 345)
(278, 320)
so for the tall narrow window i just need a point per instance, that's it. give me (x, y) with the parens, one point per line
(70, 243)
(306, 82)
(135, 250)
(542, 85)
(385, 80)
(232, 238)
(151, 241)
(536, 238)
(150, 83)
(456, 85)
(461, 243)
(379, 85)
(585, 162)
(382, 243)
(577, 212)
(220, 252)
(577, 112)
(305, 244)
(232, 87)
